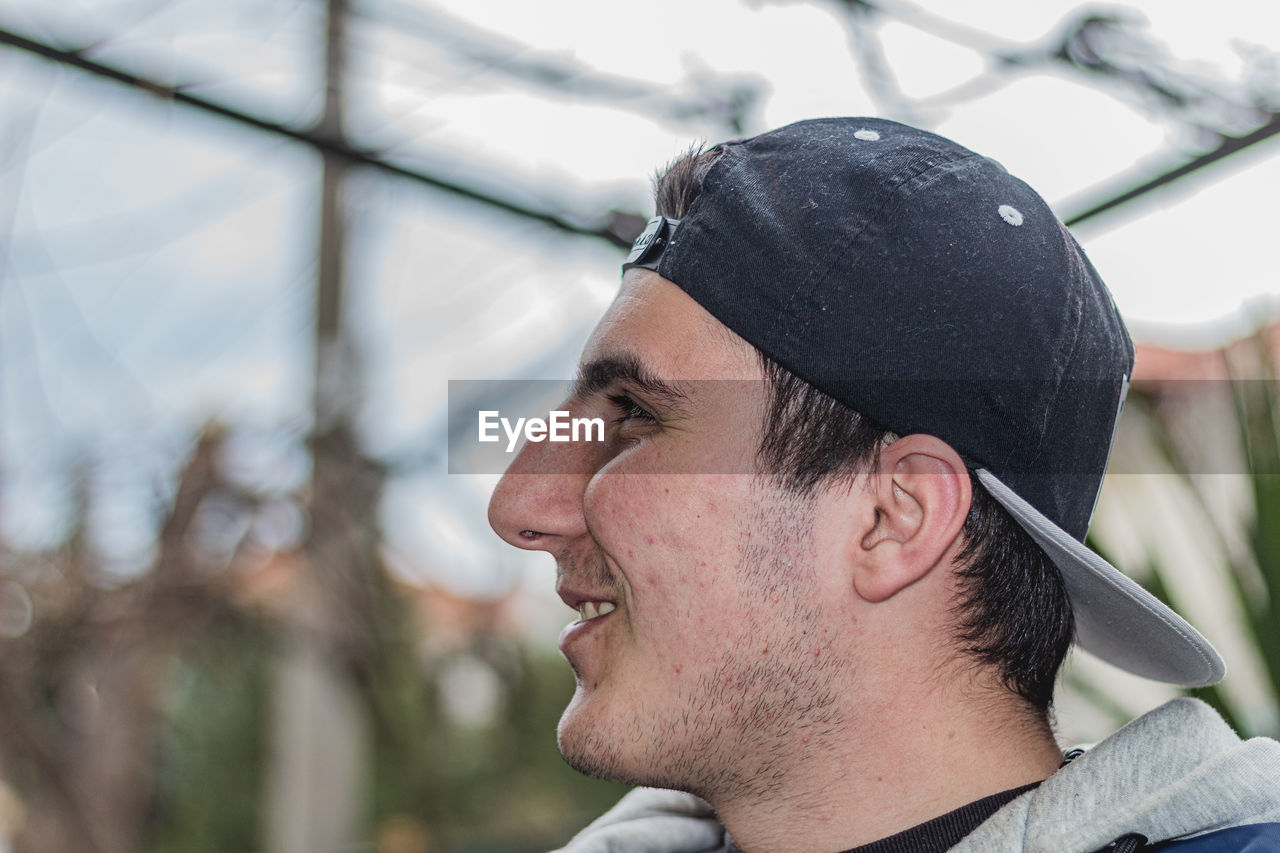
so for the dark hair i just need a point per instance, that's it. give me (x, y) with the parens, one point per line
(1013, 614)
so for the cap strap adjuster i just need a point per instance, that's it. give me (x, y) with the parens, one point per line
(647, 250)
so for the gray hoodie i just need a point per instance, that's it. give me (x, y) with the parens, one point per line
(1176, 772)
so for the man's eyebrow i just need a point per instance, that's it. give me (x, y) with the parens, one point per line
(597, 375)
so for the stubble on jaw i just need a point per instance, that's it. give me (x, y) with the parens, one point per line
(737, 731)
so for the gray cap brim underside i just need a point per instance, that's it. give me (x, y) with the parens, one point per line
(1116, 619)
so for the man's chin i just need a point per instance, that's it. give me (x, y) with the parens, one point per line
(589, 748)
(622, 748)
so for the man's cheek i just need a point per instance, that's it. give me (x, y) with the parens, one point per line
(626, 511)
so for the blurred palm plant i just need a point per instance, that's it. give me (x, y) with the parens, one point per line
(1210, 444)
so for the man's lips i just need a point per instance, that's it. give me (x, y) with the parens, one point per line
(588, 610)
(589, 603)
(591, 612)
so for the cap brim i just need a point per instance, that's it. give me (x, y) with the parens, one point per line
(1116, 619)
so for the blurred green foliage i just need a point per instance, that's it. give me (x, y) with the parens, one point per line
(497, 786)
(1253, 576)
(209, 772)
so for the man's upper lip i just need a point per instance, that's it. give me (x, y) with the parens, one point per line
(574, 597)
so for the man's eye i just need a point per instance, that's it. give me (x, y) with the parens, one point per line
(630, 410)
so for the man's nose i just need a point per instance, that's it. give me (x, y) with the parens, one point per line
(538, 502)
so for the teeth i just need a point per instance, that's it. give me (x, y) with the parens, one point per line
(592, 609)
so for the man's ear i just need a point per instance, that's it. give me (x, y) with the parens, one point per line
(919, 494)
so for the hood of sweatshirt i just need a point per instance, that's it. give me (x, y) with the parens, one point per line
(1176, 772)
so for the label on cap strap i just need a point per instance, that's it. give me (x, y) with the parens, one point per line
(647, 248)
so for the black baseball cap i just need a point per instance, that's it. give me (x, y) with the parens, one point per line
(925, 287)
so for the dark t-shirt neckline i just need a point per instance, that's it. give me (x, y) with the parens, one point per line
(945, 831)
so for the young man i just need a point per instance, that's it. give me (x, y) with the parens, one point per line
(861, 387)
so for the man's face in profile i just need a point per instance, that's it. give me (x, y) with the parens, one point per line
(701, 651)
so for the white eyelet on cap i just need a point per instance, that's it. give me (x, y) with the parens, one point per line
(866, 135)
(1010, 214)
